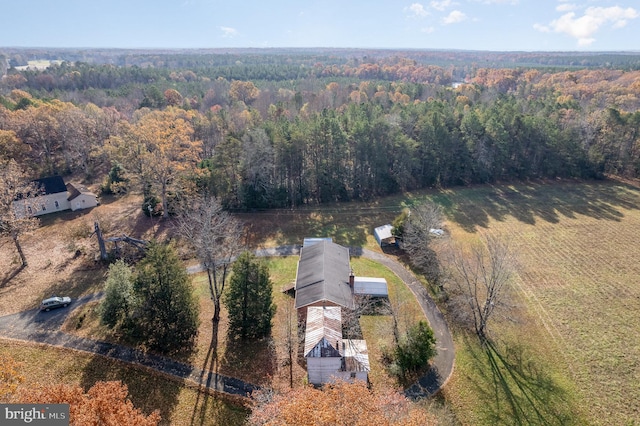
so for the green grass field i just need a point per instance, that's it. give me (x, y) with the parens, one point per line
(570, 352)
(578, 332)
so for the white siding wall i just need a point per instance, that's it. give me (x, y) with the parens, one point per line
(43, 204)
(321, 370)
(83, 201)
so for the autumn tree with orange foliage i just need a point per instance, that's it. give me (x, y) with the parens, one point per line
(105, 404)
(10, 377)
(244, 91)
(341, 403)
(160, 148)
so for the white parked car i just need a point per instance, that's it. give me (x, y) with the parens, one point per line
(54, 302)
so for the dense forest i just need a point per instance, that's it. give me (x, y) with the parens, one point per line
(275, 128)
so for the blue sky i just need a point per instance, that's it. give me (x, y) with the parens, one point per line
(499, 25)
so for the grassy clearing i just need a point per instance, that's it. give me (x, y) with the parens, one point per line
(178, 404)
(577, 286)
(377, 330)
(571, 352)
(349, 224)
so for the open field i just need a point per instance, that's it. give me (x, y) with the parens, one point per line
(568, 353)
(577, 285)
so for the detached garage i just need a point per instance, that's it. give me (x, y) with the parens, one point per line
(383, 235)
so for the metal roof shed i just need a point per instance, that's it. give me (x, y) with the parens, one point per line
(311, 241)
(383, 234)
(323, 332)
(368, 286)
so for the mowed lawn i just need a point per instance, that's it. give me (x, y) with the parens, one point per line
(572, 352)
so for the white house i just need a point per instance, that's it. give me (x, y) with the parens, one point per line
(325, 285)
(54, 196)
(80, 197)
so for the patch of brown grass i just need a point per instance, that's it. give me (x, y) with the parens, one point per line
(577, 283)
(179, 403)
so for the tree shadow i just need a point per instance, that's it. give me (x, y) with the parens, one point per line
(80, 282)
(422, 383)
(253, 360)
(210, 365)
(515, 389)
(475, 207)
(147, 391)
(9, 275)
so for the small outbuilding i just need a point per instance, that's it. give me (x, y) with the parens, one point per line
(370, 286)
(436, 232)
(383, 235)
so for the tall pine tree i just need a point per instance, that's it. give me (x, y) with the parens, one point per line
(165, 317)
(250, 299)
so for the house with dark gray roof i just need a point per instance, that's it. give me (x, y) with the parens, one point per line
(54, 196)
(324, 286)
(323, 277)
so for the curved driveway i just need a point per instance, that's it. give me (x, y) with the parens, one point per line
(442, 365)
(44, 327)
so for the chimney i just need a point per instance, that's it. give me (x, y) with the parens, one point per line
(351, 279)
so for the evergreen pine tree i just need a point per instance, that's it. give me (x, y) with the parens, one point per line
(249, 299)
(165, 317)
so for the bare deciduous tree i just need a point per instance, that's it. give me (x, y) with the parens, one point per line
(481, 276)
(363, 304)
(417, 232)
(289, 328)
(15, 218)
(216, 238)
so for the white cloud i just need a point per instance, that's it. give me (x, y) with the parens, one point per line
(228, 32)
(441, 5)
(454, 17)
(542, 28)
(417, 10)
(583, 28)
(566, 7)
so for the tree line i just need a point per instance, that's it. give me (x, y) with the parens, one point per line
(348, 135)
